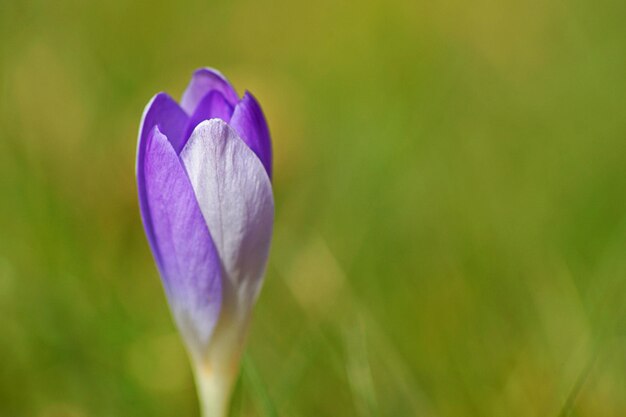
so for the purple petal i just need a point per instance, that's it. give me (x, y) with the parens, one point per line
(202, 83)
(163, 111)
(249, 122)
(212, 106)
(235, 197)
(183, 247)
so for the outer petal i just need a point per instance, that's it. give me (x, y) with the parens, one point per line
(249, 122)
(213, 106)
(189, 263)
(164, 112)
(235, 196)
(203, 82)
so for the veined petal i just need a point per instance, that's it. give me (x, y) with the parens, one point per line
(203, 82)
(235, 196)
(189, 263)
(164, 112)
(249, 122)
(213, 106)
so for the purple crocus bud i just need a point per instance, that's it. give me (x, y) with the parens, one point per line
(203, 176)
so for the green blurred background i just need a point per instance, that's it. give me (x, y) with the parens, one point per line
(450, 183)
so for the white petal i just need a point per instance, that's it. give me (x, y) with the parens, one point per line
(235, 196)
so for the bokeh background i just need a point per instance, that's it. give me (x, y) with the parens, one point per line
(450, 183)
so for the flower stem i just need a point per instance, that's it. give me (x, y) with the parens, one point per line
(214, 391)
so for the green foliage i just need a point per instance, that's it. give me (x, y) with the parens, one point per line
(450, 206)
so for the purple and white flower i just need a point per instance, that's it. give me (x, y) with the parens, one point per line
(204, 170)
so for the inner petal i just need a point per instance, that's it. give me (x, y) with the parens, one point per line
(203, 81)
(213, 106)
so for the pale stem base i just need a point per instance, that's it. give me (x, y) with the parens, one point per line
(214, 391)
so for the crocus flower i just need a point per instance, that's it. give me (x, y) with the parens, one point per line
(203, 176)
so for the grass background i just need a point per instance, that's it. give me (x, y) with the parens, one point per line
(450, 183)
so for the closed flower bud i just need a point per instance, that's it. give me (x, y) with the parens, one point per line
(205, 193)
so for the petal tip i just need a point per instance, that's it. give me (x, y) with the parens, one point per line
(210, 71)
(203, 81)
(214, 124)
